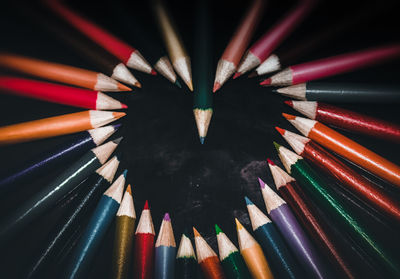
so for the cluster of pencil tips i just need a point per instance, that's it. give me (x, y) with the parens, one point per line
(288, 241)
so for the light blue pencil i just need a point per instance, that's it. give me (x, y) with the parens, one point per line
(165, 251)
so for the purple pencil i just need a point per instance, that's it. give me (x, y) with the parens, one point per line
(292, 232)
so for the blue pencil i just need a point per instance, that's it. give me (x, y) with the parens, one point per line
(96, 229)
(165, 251)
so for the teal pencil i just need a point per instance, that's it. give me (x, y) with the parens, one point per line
(202, 72)
(94, 233)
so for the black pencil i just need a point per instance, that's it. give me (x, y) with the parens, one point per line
(342, 92)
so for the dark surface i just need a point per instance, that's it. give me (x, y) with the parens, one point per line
(198, 185)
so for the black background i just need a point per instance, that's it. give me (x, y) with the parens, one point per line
(199, 185)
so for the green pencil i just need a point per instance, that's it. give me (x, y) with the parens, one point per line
(324, 197)
(202, 72)
(231, 260)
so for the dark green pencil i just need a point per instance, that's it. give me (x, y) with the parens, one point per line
(202, 72)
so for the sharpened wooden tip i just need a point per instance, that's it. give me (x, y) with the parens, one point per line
(289, 103)
(216, 87)
(239, 226)
(122, 87)
(195, 232)
(128, 189)
(288, 116)
(280, 130)
(146, 205)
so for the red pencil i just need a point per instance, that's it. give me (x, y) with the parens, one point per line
(143, 262)
(268, 42)
(60, 94)
(348, 120)
(331, 165)
(127, 54)
(310, 219)
(333, 65)
(346, 148)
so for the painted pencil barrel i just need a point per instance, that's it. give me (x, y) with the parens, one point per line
(282, 263)
(92, 237)
(307, 177)
(256, 262)
(144, 256)
(296, 238)
(164, 262)
(349, 93)
(186, 268)
(211, 268)
(234, 267)
(47, 161)
(48, 196)
(125, 231)
(356, 122)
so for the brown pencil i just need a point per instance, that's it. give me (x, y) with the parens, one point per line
(61, 73)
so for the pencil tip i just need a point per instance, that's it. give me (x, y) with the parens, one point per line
(146, 205)
(202, 139)
(118, 114)
(123, 106)
(216, 87)
(116, 126)
(288, 116)
(248, 201)
(262, 183)
(280, 130)
(154, 73)
(177, 83)
(274, 90)
(238, 225)
(122, 87)
(118, 140)
(125, 173)
(266, 82)
(138, 84)
(236, 75)
(166, 217)
(195, 232)
(218, 229)
(289, 103)
(270, 162)
(277, 145)
(128, 189)
(252, 74)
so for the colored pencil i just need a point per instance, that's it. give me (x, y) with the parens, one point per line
(271, 39)
(165, 251)
(207, 259)
(143, 262)
(326, 199)
(202, 98)
(347, 119)
(293, 233)
(124, 233)
(144, 35)
(100, 221)
(333, 65)
(92, 188)
(283, 264)
(231, 260)
(56, 126)
(186, 263)
(61, 73)
(227, 64)
(60, 94)
(346, 148)
(331, 165)
(342, 92)
(172, 40)
(310, 219)
(124, 52)
(55, 157)
(252, 254)
(86, 48)
(56, 189)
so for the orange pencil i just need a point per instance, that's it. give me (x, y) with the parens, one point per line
(207, 259)
(56, 126)
(346, 148)
(230, 59)
(61, 73)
